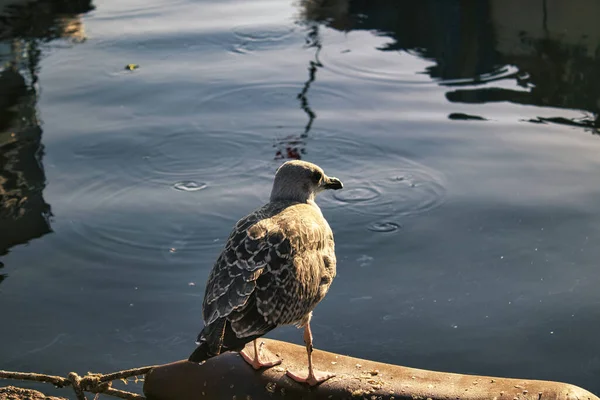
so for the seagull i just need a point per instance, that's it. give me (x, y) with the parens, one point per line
(277, 265)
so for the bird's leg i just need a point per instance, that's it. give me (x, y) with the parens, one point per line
(262, 358)
(314, 377)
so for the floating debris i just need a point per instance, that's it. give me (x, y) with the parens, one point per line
(131, 67)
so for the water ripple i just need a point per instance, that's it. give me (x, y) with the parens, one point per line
(190, 158)
(108, 216)
(354, 59)
(137, 215)
(145, 222)
(383, 227)
(418, 191)
(209, 154)
(357, 195)
(360, 56)
(189, 186)
(398, 186)
(250, 38)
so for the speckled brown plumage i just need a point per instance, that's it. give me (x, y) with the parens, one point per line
(277, 265)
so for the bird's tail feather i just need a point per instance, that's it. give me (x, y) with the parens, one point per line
(202, 353)
(210, 341)
(218, 338)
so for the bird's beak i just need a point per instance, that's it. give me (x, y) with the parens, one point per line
(332, 183)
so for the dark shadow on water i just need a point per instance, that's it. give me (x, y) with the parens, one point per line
(465, 117)
(549, 50)
(24, 29)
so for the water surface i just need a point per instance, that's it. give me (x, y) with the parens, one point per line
(465, 134)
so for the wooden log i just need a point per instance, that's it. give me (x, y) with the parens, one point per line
(229, 377)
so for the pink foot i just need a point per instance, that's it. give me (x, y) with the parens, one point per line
(315, 379)
(265, 358)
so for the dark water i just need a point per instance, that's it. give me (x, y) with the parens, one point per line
(466, 133)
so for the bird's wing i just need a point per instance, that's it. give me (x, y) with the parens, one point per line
(301, 267)
(233, 277)
(269, 272)
(255, 245)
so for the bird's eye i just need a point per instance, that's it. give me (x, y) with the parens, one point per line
(317, 176)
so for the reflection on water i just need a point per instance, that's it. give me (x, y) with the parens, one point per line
(43, 21)
(549, 50)
(465, 233)
(293, 146)
(24, 214)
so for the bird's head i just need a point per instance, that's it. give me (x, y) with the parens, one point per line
(301, 181)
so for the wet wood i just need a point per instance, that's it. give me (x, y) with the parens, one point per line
(229, 377)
